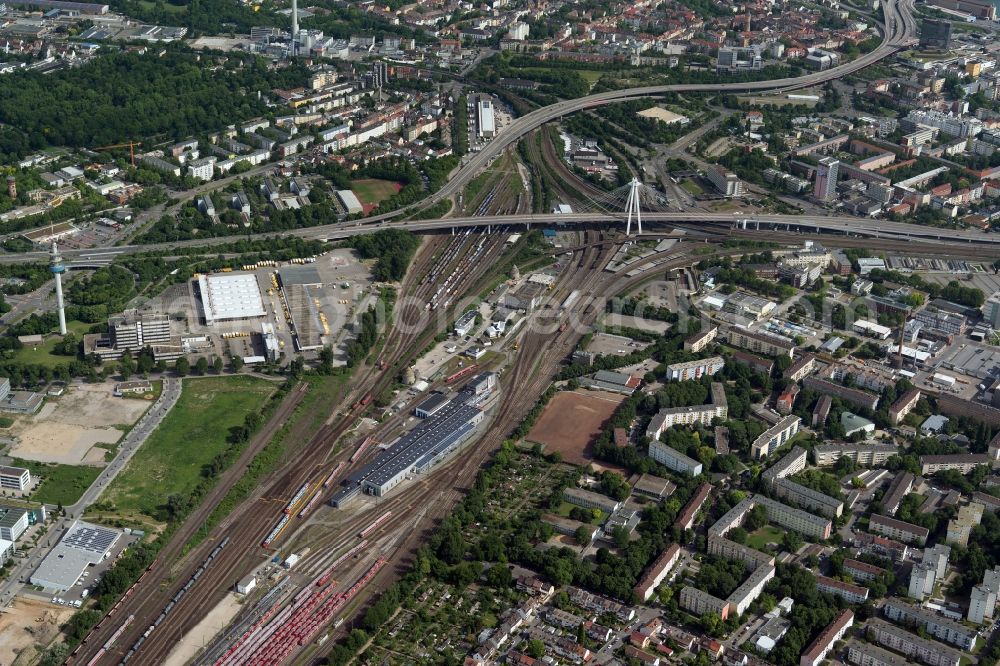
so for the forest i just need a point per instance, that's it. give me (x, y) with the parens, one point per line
(128, 96)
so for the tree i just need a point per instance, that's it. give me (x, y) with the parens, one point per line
(201, 365)
(182, 367)
(126, 366)
(583, 535)
(535, 648)
(236, 363)
(217, 365)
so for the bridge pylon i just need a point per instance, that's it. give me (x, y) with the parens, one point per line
(632, 207)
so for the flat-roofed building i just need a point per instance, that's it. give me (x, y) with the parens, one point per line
(760, 343)
(866, 654)
(792, 462)
(853, 396)
(688, 370)
(591, 500)
(13, 522)
(748, 591)
(872, 544)
(82, 546)
(897, 529)
(810, 525)
(723, 547)
(852, 594)
(923, 650)
(230, 296)
(961, 462)
(868, 455)
(772, 438)
(673, 459)
(935, 625)
(14, 478)
(669, 417)
(982, 603)
(819, 648)
(808, 498)
(654, 486)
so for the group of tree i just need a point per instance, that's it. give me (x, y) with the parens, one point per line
(392, 248)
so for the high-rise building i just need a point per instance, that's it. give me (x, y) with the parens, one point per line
(992, 310)
(935, 34)
(922, 578)
(982, 601)
(826, 179)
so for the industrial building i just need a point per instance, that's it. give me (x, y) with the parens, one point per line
(418, 450)
(82, 546)
(300, 287)
(230, 296)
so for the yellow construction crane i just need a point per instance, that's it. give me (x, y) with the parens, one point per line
(131, 145)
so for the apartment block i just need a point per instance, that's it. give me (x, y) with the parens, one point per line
(658, 571)
(700, 603)
(867, 455)
(775, 436)
(903, 406)
(922, 578)
(760, 343)
(897, 529)
(960, 527)
(668, 417)
(698, 341)
(852, 594)
(685, 520)
(865, 654)
(898, 489)
(931, 653)
(819, 648)
(853, 396)
(748, 591)
(673, 459)
(982, 602)
(961, 462)
(723, 547)
(862, 571)
(791, 463)
(808, 498)
(936, 625)
(687, 370)
(801, 521)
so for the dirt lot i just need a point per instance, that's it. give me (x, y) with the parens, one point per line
(29, 623)
(203, 632)
(571, 422)
(67, 428)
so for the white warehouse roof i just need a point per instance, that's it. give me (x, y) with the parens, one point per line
(82, 545)
(230, 296)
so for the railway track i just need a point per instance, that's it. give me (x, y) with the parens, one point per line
(250, 523)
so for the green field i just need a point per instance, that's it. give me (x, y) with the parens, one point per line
(373, 190)
(61, 484)
(692, 188)
(192, 434)
(764, 536)
(42, 354)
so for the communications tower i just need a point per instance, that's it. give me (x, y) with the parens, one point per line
(57, 268)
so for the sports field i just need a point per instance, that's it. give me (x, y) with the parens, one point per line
(572, 421)
(174, 458)
(372, 190)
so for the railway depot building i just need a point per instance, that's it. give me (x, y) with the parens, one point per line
(415, 452)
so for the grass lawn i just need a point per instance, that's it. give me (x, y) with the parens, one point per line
(191, 435)
(373, 190)
(591, 76)
(765, 535)
(42, 354)
(60, 483)
(692, 188)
